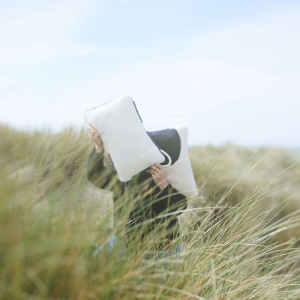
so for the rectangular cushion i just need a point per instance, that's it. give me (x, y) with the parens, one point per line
(124, 136)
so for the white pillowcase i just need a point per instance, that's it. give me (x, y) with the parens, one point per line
(180, 174)
(124, 137)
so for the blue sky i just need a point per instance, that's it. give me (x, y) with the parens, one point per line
(230, 70)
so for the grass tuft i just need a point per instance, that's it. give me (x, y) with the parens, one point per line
(240, 237)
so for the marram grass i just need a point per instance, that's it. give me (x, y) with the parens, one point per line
(239, 237)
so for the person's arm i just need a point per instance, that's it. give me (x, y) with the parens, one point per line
(170, 200)
(101, 176)
(169, 204)
(96, 171)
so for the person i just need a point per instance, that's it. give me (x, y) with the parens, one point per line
(157, 201)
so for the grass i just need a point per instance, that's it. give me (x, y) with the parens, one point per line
(240, 236)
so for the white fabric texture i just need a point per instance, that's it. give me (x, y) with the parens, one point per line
(124, 137)
(180, 174)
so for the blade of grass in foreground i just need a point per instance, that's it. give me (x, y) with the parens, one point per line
(47, 240)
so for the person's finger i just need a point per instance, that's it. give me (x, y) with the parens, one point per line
(157, 173)
(96, 135)
(159, 166)
(156, 168)
(92, 132)
(154, 171)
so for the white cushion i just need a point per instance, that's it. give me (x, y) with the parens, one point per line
(180, 174)
(124, 137)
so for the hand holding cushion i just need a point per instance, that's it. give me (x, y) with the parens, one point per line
(95, 136)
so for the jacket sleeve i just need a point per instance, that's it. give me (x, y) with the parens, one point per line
(170, 200)
(101, 177)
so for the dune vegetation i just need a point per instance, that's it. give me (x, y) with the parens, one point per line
(240, 236)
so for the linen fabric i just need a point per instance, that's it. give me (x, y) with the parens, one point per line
(180, 174)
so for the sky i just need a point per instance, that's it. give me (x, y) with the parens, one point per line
(228, 69)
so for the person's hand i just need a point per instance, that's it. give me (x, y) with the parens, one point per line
(95, 136)
(159, 176)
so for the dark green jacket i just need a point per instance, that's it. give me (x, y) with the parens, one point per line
(150, 201)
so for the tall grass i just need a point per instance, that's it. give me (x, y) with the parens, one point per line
(240, 236)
